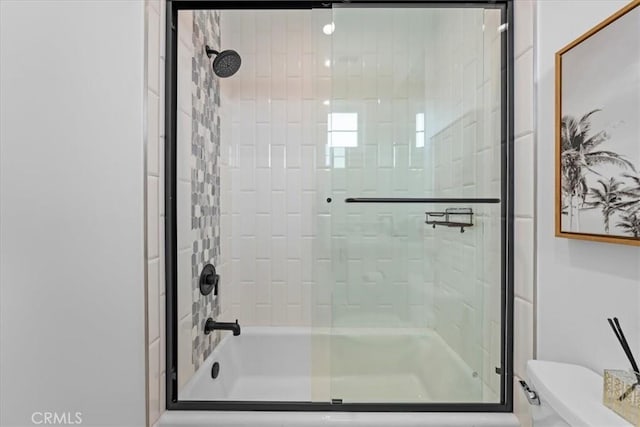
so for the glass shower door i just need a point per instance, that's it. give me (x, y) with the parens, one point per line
(411, 130)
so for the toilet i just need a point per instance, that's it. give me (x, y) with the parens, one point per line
(563, 394)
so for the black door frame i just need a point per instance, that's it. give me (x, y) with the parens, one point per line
(507, 191)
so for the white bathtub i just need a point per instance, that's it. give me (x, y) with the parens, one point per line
(355, 365)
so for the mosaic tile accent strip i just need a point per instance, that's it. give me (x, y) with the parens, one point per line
(205, 177)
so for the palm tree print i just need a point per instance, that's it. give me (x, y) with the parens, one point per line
(630, 219)
(630, 223)
(609, 197)
(634, 188)
(579, 156)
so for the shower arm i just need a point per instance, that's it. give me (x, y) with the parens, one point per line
(210, 51)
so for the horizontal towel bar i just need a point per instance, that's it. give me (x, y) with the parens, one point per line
(415, 200)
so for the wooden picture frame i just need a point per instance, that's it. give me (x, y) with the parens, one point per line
(597, 195)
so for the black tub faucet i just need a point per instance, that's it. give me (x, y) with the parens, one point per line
(212, 325)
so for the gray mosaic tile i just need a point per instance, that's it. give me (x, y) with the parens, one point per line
(205, 177)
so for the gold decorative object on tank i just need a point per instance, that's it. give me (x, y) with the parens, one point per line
(622, 394)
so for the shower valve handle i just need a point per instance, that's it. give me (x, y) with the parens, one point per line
(212, 279)
(209, 280)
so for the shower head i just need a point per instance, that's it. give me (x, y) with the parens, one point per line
(226, 63)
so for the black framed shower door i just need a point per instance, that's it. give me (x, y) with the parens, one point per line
(507, 213)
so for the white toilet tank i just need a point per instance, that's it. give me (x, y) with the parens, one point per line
(569, 395)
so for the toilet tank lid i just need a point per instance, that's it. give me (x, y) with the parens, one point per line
(574, 392)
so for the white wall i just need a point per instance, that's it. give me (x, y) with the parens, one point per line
(580, 283)
(72, 179)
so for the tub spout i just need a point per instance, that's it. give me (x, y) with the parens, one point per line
(212, 325)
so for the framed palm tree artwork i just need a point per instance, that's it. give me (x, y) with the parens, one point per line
(598, 132)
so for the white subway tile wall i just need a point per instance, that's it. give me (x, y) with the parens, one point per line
(466, 66)
(155, 208)
(421, 121)
(525, 221)
(272, 112)
(184, 164)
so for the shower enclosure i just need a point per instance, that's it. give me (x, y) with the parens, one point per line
(346, 196)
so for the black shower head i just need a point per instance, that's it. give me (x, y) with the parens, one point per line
(226, 63)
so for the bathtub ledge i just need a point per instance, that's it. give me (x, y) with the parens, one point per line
(320, 419)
